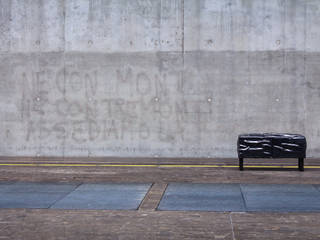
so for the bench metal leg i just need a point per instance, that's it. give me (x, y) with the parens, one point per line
(241, 164)
(301, 168)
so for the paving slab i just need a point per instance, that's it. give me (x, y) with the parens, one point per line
(110, 196)
(202, 197)
(32, 195)
(28, 200)
(281, 197)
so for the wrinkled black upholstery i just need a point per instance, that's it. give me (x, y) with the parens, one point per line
(270, 145)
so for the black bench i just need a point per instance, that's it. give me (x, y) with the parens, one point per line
(269, 145)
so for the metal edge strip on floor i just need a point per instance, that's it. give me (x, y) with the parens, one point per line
(146, 165)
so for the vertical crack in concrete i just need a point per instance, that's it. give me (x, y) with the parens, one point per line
(263, 24)
(182, 31)
(231, 32)
(182, 48)
(64, 25)
(160, 25)
(145, 198)
(64, 67)
(284, 37)
(249, 13)
(232, 228)
(40, 18)
(40, 29)
(232, 75)
(304, 62)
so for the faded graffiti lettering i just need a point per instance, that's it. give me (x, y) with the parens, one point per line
(95, 106)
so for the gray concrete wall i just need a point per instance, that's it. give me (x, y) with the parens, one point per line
(158, 78)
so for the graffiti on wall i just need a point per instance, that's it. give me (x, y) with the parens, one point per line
(115, 105)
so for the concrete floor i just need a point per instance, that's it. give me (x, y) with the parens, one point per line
(149, 223)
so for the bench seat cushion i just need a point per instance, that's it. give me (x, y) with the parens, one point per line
(271, 145)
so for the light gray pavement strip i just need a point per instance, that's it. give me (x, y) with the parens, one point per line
(281, 197)
(105, 196)
(32, 195)
(202, 197)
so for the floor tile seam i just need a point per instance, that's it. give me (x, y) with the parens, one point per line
(145, 196)
(313, 187)
(283, 196)
(304, 211)
(258, 211)
(162, 196)
(279, 193)
(232, 227)
(133, 206)
(243, 198)
(64, 196)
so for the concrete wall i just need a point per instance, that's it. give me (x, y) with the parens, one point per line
(159, 78)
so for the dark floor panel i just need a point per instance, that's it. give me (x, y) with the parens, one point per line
(32, 195)
(281, 197)
(105, 196)
(202, 197)
(29, 200)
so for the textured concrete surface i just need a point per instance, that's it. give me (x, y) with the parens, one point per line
(57, 224)
(155, 78)
(103, 224)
